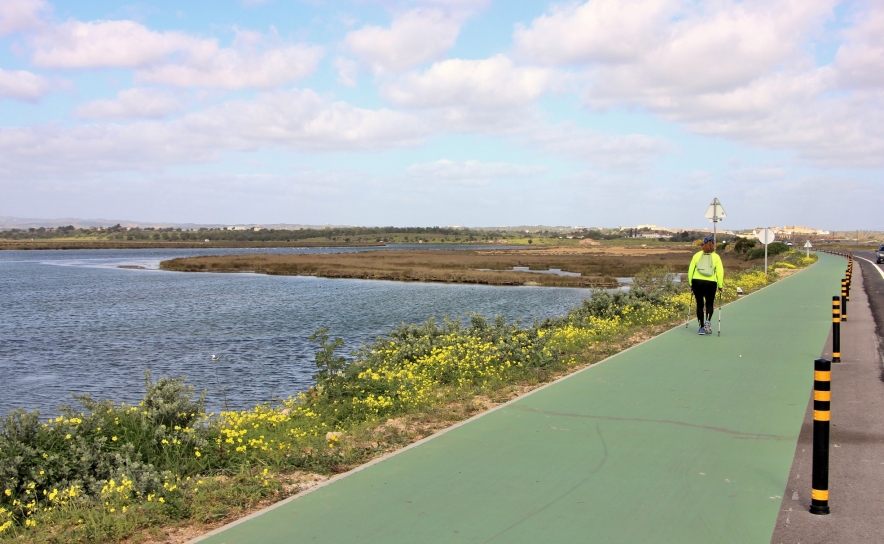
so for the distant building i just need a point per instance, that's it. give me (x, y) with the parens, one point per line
(653, 227)
(788, 231)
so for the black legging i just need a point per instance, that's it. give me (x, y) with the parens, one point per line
(704, 290)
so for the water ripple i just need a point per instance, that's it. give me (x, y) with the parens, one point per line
(73, 322)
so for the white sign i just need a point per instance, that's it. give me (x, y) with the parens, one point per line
(807, 244)
(766, 236)
(715, 213)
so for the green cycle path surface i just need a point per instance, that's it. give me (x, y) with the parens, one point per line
(681, 439)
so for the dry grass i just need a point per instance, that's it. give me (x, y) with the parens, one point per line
(290, 484)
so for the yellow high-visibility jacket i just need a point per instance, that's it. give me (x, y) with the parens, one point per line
(717, 275)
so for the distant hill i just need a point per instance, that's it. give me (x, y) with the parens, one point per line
(9, 222)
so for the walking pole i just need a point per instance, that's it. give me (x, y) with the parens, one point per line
(719, 311)
(687, 318)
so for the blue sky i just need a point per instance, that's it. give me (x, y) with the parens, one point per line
(444, 112)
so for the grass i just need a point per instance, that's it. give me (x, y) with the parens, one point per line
(108, 472)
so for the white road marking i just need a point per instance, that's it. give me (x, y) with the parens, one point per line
(874, 265)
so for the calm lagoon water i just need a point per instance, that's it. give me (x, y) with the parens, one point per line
(73, 321)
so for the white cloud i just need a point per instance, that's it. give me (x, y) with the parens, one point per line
(175, 58)
(860, 59)
(113, 44)
(21, 15)
(495, 83)
(22, 85)
(296, 120)
(615, 151)
(758, 174)
(471, 170)
(131, 104)
(347, 69)
(232, 69)
(737, 69)
(670, 47)
(496, 96)
(415, 37)
(304, 120)
(452, 5)
(596, 31)
(492, 96)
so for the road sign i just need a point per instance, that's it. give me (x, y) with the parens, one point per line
(715, 213)
(766, 236)
(807, 246)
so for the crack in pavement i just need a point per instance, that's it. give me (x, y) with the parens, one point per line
(737, 434)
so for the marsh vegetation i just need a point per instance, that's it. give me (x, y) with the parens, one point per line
(597, 267)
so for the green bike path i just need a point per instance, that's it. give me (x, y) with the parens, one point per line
(681, 439)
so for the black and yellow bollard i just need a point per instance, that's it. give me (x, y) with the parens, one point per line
(836, 329)
(822, 400)
(843, 300)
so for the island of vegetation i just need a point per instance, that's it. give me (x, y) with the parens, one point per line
(568, 266)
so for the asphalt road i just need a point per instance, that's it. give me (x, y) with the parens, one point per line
(873, 282)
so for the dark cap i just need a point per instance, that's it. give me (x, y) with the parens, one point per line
(708, 239)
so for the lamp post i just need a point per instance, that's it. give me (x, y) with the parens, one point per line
(715, 213)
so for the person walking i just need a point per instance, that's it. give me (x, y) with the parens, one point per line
(706, 276)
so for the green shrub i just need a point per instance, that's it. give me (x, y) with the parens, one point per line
(742, 245)
(773, 249)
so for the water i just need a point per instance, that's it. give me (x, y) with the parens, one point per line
(73, 321)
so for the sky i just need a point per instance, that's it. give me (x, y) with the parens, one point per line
(444, 112)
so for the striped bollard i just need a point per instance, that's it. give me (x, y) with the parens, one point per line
(836, 329)
(843, 300)
(822, 400)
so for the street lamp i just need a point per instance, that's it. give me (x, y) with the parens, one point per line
(715, 213)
